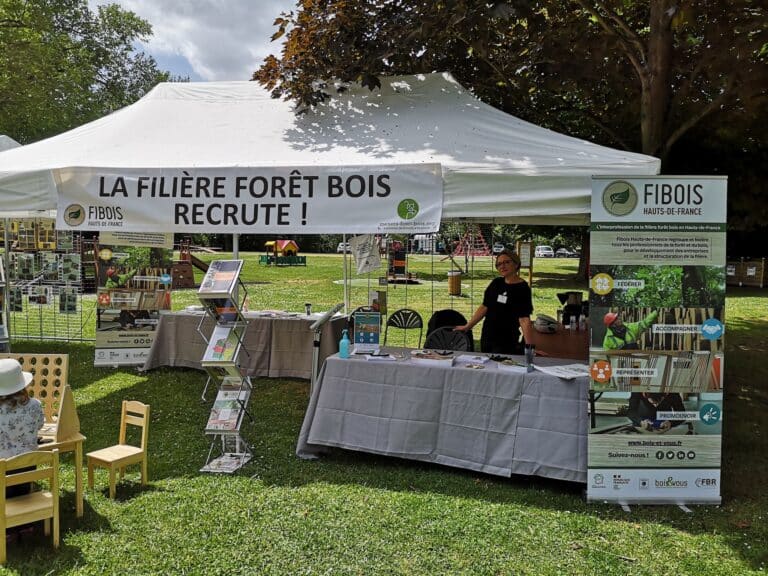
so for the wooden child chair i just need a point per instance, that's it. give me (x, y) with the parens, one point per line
(34, 506)
(117, 457)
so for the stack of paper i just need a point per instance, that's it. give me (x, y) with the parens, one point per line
(471, 359)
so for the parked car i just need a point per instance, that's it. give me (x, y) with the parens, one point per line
(342, 247)
(565, 253)
(544, 252)
(497, 248)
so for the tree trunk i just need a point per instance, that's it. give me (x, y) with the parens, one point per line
(655, 85)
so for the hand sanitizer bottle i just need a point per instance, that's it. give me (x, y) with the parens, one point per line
(344, 345)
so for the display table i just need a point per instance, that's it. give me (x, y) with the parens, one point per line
(277, 346)
(563, 344)
(488, 420)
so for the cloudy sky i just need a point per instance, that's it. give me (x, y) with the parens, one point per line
(208, 39)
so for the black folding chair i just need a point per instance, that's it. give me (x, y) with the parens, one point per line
(446, 338)
(449, 317)
(405, 319)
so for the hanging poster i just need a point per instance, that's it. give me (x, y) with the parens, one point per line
(134, 285)
(70, 268)
(49, 265)
(15, 299)
(401, 199)
(41, 295)
(65, 240)
(657, 316)
(68, 300)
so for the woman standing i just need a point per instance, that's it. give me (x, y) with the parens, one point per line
(20, 416)
(507, 307)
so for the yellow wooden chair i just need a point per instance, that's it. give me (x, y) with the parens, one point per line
(35, 506)
(121, 455)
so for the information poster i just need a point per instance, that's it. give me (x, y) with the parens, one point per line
(367, 329)
(657, 316)
(134, 284)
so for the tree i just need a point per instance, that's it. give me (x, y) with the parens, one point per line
(644, 72)
(624, 73)
(62, 65)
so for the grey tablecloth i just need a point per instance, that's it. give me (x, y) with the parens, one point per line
(486, 420)
(276, 347)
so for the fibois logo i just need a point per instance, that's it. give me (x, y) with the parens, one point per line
(74, 215)
(619, 198)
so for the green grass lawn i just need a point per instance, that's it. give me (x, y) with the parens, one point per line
(354, 513)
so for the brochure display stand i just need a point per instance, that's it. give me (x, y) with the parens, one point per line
(223, 295)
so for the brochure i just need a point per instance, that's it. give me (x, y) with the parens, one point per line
(227, 463)
(566, 372)
(224, 310)
(220, 279)
(224, 344)
(226, 370)
(227, 410)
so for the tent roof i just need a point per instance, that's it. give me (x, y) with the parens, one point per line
(14, 205)
(495, 166)
(6, 143)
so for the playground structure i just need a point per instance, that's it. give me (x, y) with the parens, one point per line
(397, 264)
(282, 253)
(182, 271)
(472, 244)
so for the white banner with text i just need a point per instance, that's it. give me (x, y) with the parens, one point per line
(302, 200)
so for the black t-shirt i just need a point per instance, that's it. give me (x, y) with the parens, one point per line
(506, 304)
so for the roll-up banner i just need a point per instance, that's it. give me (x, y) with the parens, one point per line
(657, 317)
(301, 200)
(134, 286)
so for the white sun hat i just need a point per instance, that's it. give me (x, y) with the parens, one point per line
(12, 377)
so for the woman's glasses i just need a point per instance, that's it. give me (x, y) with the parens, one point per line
(501, 263)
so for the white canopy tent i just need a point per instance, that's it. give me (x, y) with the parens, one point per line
(495, 167)
(14, 205)
(6, 143)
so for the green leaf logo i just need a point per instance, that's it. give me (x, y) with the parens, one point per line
(74, 215)
(619, 198)
(408, 209)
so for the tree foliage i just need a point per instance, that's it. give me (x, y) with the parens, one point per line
(643, 76)
(62, 65)
(622, 71)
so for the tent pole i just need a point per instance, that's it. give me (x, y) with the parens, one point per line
(432, 273)
(7, 280)
(345, 277)
(235, 254)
